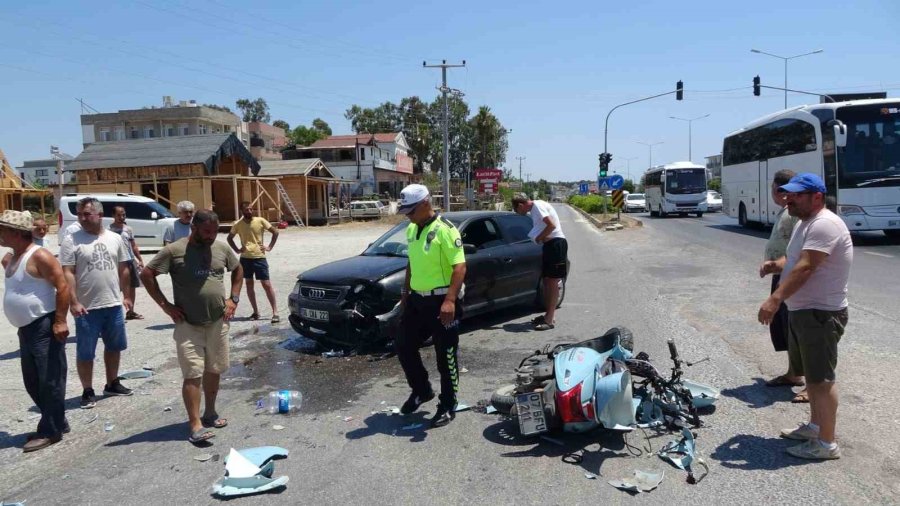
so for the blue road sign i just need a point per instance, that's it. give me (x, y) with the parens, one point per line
(583, 188)
(616, 181)
(603, 183)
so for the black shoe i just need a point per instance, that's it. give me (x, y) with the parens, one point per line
(412, 404)
(443, 416)
(117, 389)
(88, 399)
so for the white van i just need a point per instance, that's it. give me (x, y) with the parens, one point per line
(147, 217)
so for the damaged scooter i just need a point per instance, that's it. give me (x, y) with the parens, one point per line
(600, 382)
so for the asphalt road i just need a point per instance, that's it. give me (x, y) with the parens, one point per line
(694, 280)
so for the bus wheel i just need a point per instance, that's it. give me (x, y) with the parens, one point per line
(662, 214)
(699, 215)
(892, 233)
(742, 215)
(653, 213)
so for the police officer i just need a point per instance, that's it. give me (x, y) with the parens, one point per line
(430, 295)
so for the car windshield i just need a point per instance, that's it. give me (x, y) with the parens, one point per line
(635, 196)
(683, 181)
(393, 242)
(160, 210)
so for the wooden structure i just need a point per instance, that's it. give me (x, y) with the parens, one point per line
(212, 171)
(13, 189)
(306, 182)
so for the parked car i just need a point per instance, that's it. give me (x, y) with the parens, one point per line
(713, 201)
(635, 203)
(351, 302)
(368, 209)
(148, 218)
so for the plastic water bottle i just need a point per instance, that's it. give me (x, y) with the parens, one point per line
(285, 402)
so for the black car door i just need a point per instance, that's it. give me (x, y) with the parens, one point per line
(521, 257)
(483, 265)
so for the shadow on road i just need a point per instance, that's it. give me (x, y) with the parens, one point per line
(8, 440)
(172, 432)
(748, 452)
(873, 239)
(737, 229)
(162, 326)
(393, 425)
(500, 319)
(758, 395)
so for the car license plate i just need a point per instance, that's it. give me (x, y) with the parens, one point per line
(530, 411)
(314, 314)
(894, 223)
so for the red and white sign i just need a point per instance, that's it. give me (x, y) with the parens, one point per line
(488, 180)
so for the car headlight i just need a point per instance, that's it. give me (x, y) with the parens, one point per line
(296, 289)
(358, 288)
(845, 210)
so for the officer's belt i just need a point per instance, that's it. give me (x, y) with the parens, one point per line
(436, 291)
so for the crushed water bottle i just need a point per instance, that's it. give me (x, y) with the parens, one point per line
(285, 402)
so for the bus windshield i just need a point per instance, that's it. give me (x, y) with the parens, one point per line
(684, 181)
(872, 155)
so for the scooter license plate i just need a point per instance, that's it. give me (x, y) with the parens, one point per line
(530, 411)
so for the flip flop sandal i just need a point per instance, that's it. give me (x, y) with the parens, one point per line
(200, 436)
(544, 326)
(537, 319)
(254, 316)
(214, 422)
(782, 381)
(276, 319)
(134, 316)
(801, 397)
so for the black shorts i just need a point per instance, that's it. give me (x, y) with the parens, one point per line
(255, 266)
(554, 263)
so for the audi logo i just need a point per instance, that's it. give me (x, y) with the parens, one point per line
(316, 293)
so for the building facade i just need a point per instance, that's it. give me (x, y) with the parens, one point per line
(44, 172)
(170, 120)
(714, 165)
(265, 141)
(375, 163)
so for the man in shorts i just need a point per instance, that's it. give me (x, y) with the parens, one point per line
(814, 277)
(96, 262)
(546, 231)
(119, 226)
(201, 312)
(253, 255)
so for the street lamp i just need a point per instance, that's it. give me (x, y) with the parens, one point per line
(628, 165)
(689, 121)
(650, 151)
(786, 58)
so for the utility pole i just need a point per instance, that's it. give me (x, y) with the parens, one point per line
(520, 158)
(446, 120)
(650, 151)
(786, 59)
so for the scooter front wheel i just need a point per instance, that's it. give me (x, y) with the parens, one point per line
(504, 398)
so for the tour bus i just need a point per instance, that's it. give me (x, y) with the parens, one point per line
(678, 187)
(854, 146)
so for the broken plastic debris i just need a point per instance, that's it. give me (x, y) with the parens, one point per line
(260, 455)
(233, 487)
(203, 457)
(348, 418)
(642, 481)
(462, 407)
(413, 426)
(463, 370)
(167, 408)
(682, 454)
(332, 354)
(590, 476)
(490, 410)
(238, 466)
(108, 426)
(143, 373)
(93, 419)
(278, 427)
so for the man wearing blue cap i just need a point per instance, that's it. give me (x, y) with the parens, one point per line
(814, 276)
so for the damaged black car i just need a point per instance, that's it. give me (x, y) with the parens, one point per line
(353, 303)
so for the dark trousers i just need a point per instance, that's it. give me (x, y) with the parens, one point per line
(44, 373)
(420, 320)
(778, 329)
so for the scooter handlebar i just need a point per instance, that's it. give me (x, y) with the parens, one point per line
(673, 351)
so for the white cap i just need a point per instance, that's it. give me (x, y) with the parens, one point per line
(411, 196)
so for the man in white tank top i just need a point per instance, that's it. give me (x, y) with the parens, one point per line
(36, 301)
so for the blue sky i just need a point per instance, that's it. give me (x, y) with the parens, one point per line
(550, 71)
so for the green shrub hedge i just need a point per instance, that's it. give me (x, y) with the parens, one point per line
(591, 204)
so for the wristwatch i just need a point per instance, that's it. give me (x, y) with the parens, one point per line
(235, 298)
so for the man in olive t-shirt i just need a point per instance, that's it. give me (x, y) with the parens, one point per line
(197, 266)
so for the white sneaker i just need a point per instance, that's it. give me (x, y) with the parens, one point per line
(803, 432)
(813, 450)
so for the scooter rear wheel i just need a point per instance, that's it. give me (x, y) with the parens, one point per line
(503, 399)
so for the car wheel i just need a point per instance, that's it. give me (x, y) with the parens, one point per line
(661, 213)
(699, 215)
(892, 233)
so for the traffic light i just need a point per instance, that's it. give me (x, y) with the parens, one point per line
(756, 86)
(679, 90)
(604, 164)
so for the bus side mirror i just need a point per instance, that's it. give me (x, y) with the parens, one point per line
(840, 135)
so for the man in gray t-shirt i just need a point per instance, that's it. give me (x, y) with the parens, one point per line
(181, 228)
(815, 274)
(95, 262)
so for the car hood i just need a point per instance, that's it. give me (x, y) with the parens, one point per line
(352, 270)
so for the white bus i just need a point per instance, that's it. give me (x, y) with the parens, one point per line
(854, 146)
(678, 187)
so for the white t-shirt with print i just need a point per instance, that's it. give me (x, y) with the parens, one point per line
(826, 289)
(96, 259)
(539, 211)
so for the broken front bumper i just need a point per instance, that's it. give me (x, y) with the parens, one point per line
(355, 326)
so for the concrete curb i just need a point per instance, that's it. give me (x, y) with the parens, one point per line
(633, 222)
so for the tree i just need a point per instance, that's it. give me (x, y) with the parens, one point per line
(254, 110)
(490, 139)
(628, 186)
(218, 107)
(305, 136)
(715, 184)
(319, 125)
(282, 124)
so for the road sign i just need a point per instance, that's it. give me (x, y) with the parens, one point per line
(618, 198)
(603, 183)
(616, 181)
(583, 188)
(488, 174)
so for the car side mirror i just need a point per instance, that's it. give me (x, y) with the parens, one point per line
(469, 249)
(153, 215)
